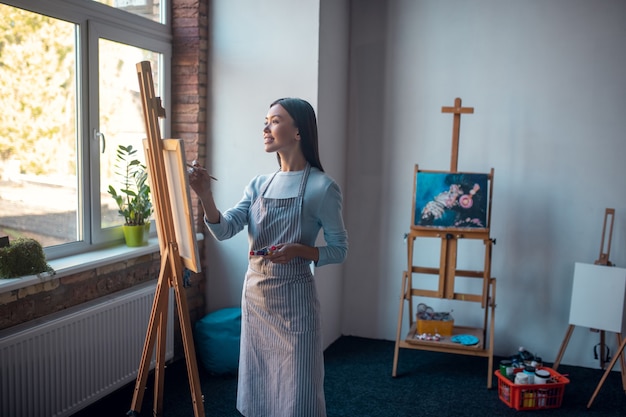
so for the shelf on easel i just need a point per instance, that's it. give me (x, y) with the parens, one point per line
(445, 343)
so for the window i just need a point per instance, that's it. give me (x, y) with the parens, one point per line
(151, 9)
(70, 97)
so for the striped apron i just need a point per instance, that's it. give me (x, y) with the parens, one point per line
(281, 365)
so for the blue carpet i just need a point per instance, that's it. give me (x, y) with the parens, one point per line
(359, 384)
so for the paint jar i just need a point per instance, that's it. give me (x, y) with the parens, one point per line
(506, 392)
(528, 399)
(541, 376)
(542, 398)
(506, 368)
(521, 378)
(530, 371)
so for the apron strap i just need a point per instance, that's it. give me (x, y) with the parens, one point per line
(305, 177)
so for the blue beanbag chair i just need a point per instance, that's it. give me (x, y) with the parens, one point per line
(217, 338)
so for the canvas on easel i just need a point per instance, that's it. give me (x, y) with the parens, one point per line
(598, 296)
(456, 200)
(180, 200)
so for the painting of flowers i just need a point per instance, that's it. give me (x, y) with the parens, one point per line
(451, 199)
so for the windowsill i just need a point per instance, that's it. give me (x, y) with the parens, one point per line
(75, 264)
(78, 263)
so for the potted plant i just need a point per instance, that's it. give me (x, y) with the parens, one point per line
(133, 199)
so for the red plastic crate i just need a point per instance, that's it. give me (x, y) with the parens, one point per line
(532, 396)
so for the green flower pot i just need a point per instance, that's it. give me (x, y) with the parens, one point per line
(136, 235)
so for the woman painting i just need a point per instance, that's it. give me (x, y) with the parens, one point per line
(281, 368)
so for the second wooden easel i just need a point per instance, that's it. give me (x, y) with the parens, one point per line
(447, 273)
(603, 259)
(171, 273)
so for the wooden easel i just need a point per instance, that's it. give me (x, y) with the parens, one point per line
(447, 273)
(603, 259)
(171, 273)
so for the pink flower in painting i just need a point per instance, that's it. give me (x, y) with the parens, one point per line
(466, 201)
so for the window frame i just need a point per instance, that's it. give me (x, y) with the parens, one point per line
(98, 21)
(98, 31)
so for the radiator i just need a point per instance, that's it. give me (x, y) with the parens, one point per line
(58, 365)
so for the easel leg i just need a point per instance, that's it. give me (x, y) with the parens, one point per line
(622, 362)
(568, 335)
(187, 336)
(396, 352)
(160, 298)
(492, 327)
(617, 355)
(159, 373)
(158, 321)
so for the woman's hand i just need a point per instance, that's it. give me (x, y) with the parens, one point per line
(199, 179)
(200, 183)
(284, 252)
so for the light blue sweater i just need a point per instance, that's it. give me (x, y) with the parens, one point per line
(322, 209)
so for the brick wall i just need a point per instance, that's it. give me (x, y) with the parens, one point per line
(189, 113)
(50, 296)
(190, 77)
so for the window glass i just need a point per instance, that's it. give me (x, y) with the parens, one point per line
(39, 189)
(150, 9)
(121, 115)
(69, 96)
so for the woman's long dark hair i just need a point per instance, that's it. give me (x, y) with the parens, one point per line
(304, 117)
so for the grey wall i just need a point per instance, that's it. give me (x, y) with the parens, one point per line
(546, 81)
(262, 51)
(332, 114)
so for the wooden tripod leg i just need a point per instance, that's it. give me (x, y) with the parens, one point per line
(492, 327)
(160, 299)
(159, 373)
(617, 355)
(622, 362)
(399, 330)
(187, 336)
(568, 335)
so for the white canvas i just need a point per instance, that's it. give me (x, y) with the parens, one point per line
(598, 297)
